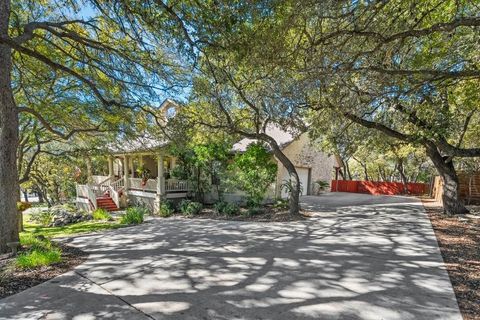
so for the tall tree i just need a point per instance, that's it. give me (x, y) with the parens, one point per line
(72, 75)
(404, 68)
(235, 87)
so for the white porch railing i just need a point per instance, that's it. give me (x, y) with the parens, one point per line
(99, 179)
(102, 187)
(118, 184)
(173, 185)
(137, 183)
(114, 190)
(86, 192)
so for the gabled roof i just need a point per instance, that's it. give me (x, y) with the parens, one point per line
(282, 137)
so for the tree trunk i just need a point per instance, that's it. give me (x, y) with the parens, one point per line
(404, 178)
(9, 188)
(294, 206)
(451, 201)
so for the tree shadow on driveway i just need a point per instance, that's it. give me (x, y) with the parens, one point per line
(359, 257)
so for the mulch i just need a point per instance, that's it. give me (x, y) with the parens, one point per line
(14, 280)
(459, 241)
(270, 214)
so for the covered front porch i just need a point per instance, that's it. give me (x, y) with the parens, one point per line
(133, 178)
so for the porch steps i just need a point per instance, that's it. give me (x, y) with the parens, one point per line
(106, 203)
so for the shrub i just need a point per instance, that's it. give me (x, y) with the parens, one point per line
(166, 209)
(133, 215)
(101, 214)
(219, 206)
(183, 205)
(226, 208)
(39, 252)
(255, 171)
(43, 217)
(189, 208)
(321, 186)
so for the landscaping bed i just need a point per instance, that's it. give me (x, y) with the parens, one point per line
(14, 279)
(459, 241)
(276, 212)
(268, 215)
(40, 259)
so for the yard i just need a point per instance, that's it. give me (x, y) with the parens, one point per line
(41, 259)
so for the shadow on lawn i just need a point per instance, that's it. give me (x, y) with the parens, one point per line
(366, 261)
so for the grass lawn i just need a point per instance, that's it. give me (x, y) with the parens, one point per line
(71, 229)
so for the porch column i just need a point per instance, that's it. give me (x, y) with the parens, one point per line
(160, 184)
(140, 160)
(110, 166)
(125, 171)
(130, 164)
(160, 178)
(173, 162)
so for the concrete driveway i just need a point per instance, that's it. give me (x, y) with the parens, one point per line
(359, 257)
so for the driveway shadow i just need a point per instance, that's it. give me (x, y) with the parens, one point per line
(358, 257)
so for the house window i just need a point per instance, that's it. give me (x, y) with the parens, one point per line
(171, 112)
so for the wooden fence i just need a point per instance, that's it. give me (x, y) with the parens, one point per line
(379, 187)
(468, 187)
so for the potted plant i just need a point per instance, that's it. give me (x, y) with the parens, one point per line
(144, 174)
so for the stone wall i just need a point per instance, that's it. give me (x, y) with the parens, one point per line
(305, 155)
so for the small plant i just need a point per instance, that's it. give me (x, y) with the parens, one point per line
(39, 252)
(281, 204)
(22, 206)
(133, 215)
(183, 205)
(289, 186)
(321, 185)
(190, 208)
(166, 209)
(227, 208)
(43, 217)
(101, 214)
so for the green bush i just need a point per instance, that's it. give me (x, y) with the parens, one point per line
(101, 214)
(189, 208)
(218, 207)
(254, 171)
(183, 205)
(227, 208)
(133, 215)
(39, 252)
(166, 209)
(42, 217)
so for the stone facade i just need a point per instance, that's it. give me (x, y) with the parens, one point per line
(304, 154)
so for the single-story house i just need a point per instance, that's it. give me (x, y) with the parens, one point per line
(124, 185)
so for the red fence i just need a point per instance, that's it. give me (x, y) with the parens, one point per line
(377, 187)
